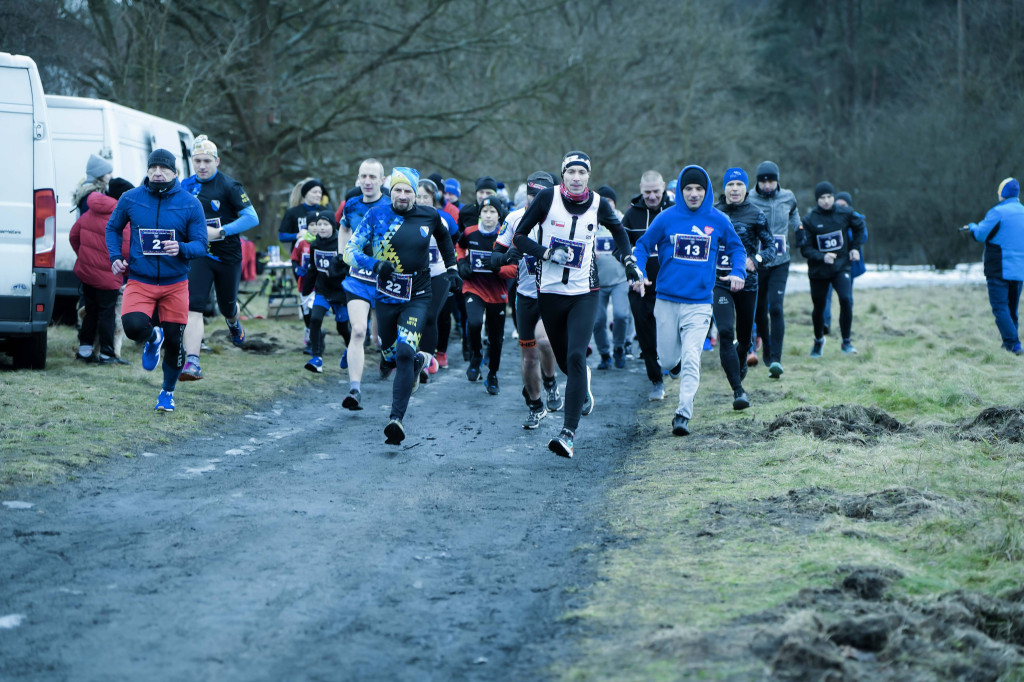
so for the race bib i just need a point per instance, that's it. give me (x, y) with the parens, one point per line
(152, 241)
(396, 286)
(576, 251)
(435, 255)
(214, 224)
(780, 243)
(479, 260)
(724, 262)
(363, 275)
(692, 247)
(323, 259)
(604, 245)
(833, 241)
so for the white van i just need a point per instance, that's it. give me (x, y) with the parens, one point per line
(27, 214)
(81, 126)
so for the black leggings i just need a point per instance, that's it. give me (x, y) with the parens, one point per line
(100, 311)
(316, 323)
(475, 310)
(843, 284)
(646, 331)
(401, 328)
(139, 327)
(569, 321)
(734, 315)
(206, 272)
(431, 329)
(771, 325)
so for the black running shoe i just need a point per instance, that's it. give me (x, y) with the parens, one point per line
(394, 432)
(352, 400)
(491, 384)
(680, 425)
(561, 444)
(740, 401)
(554, 398)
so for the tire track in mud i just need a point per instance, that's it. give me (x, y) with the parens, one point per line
(294, 544)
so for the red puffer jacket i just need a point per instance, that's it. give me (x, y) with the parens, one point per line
(88, 239)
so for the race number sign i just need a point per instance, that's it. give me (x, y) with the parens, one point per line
(435, 255)
(692, 247)
(604, 245)
(724, 262)
(576, 251)
(323, 259)
(833, 241)
(153, 241)
(531, 264)
(363, 275)
(780, 243)
(480, 260)
(396, 286)
(214, 224)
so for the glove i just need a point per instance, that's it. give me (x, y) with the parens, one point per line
(559, 254)
(632, 271)
(300, 271)
(513, 255)
(465, 269)
(497, 260)
(383, 269)
(454, 281)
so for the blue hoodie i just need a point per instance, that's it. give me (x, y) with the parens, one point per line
(175, 210)
(686, 243)
(1002, 232)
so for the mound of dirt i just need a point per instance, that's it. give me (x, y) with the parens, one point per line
(848, 423)
(994, 423)
(261, 344)
(891, 504)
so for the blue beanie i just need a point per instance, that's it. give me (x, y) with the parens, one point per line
(735, 174)
(451, 186)
(1009, 188)
(409, 176)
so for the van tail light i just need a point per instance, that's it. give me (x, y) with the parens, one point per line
(45, 221)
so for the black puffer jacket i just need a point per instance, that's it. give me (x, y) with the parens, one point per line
(752, 227)
(824, 232)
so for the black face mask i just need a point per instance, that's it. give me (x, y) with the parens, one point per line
(161, 187)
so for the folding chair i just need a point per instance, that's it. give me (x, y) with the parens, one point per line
(246, 296)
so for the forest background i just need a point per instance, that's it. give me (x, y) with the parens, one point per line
(913, 107)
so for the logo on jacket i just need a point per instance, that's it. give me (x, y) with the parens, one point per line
(215, 204)
(555, 223)
(424, 231)
(708, 229)
(696, 230)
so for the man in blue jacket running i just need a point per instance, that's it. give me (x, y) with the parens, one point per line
(686, 238)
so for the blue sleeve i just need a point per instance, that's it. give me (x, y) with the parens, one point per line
(247, 219)
(981, 231)
(115, 231)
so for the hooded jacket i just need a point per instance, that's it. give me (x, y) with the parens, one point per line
(144, 208)
(829, 231)
(1002, 232)
(752, 228)
(687, 243)
(327, 269)
(638, 218)
(89, 240)
(783, 220)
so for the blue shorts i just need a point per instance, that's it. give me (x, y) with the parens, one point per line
(357, 288)
(337, 307)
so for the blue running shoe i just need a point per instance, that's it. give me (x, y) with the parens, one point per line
(237, 333)
(315, 364)
(707, 344)
(151, 351)
(847, 347)
(165, 402)
(344, 360)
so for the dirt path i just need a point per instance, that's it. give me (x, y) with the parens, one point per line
(295, 545)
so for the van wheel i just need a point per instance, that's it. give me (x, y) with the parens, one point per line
(31, 352)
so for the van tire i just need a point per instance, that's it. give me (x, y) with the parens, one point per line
(31, 352)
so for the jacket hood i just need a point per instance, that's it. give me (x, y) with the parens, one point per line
(176, 187)
(709, 195)
(638, 202)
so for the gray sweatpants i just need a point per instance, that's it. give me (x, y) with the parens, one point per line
(682, 328)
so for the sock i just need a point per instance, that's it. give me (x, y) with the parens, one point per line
(354, 385)
(548, 381)
(85, 351)
(193, 359)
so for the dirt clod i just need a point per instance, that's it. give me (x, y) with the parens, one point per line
(994, 423)
(846, 423)
(869, 583)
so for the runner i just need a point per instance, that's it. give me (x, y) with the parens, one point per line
(323, 277)
(829, 251)
(567, 223)
(857, 268)
(614, 289)
(427, 194)
(538, 360)
(229, 213)
(486, 290)
(734, 311)
(779, 207)
(361, 284)
(167, 230)
(643, 209)
(687, 238)
(399, 237)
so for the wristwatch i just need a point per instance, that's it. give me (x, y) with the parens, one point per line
(223, 233)
(758, 258)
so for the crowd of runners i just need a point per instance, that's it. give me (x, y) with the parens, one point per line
(400, 263)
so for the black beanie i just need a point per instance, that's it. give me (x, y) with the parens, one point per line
(845, 196)
(693, 176)
(823, 188)
(162, 157)
(768, 170)
(118, 186)
(436, 179)
(310, 184)
(608, 193)
(498, 205)
(537, 181)
(322, 215)
(486, 182)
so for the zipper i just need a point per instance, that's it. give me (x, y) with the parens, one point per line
(572, 235)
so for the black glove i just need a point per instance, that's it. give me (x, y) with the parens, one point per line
(465, 269)
(454, 281)
(497, 260)
(632, 271)
(558, 254)
(383, 269)
(513, 255)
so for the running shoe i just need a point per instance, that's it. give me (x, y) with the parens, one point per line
(1016, 349)
(680, 425)
(191, 372)
(562, 444)
(473, 371)
(165, 402)
(315, 364)
(344, 360)
(352, 400)
(432, 366)
(491, 384)
(151, 351)
(442, 360)
(657, 392)
(619, 357)
(89, 359)
(606, 361)
(237, 333)
(740, 401)
(752, 359)
(847, 347)
(819, 345)
(588, 405)
(537, 412)
(419, 370)
(775, 370)
(628, 348)
(554, 398)
(707, 344)
(394, 432)
(386, 367)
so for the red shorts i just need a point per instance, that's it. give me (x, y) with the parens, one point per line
(170, 300)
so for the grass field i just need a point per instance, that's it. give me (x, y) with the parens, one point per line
(850, 543)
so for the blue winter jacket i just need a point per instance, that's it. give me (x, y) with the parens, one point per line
(686, 243)
(175, 210)
(1002, 231)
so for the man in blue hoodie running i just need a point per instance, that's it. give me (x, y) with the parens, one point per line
(686, 238)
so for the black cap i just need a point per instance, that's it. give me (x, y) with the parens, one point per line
(693, 176)
(310, 184)
(498, 205)
(537, 181)
(486, 182)
(768, 170)
(845, 196)
(118, 186)
(322, 215)
(162, 157)
(823, 188)
(608, 193)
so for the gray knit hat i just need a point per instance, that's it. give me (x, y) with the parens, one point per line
(97, 167)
